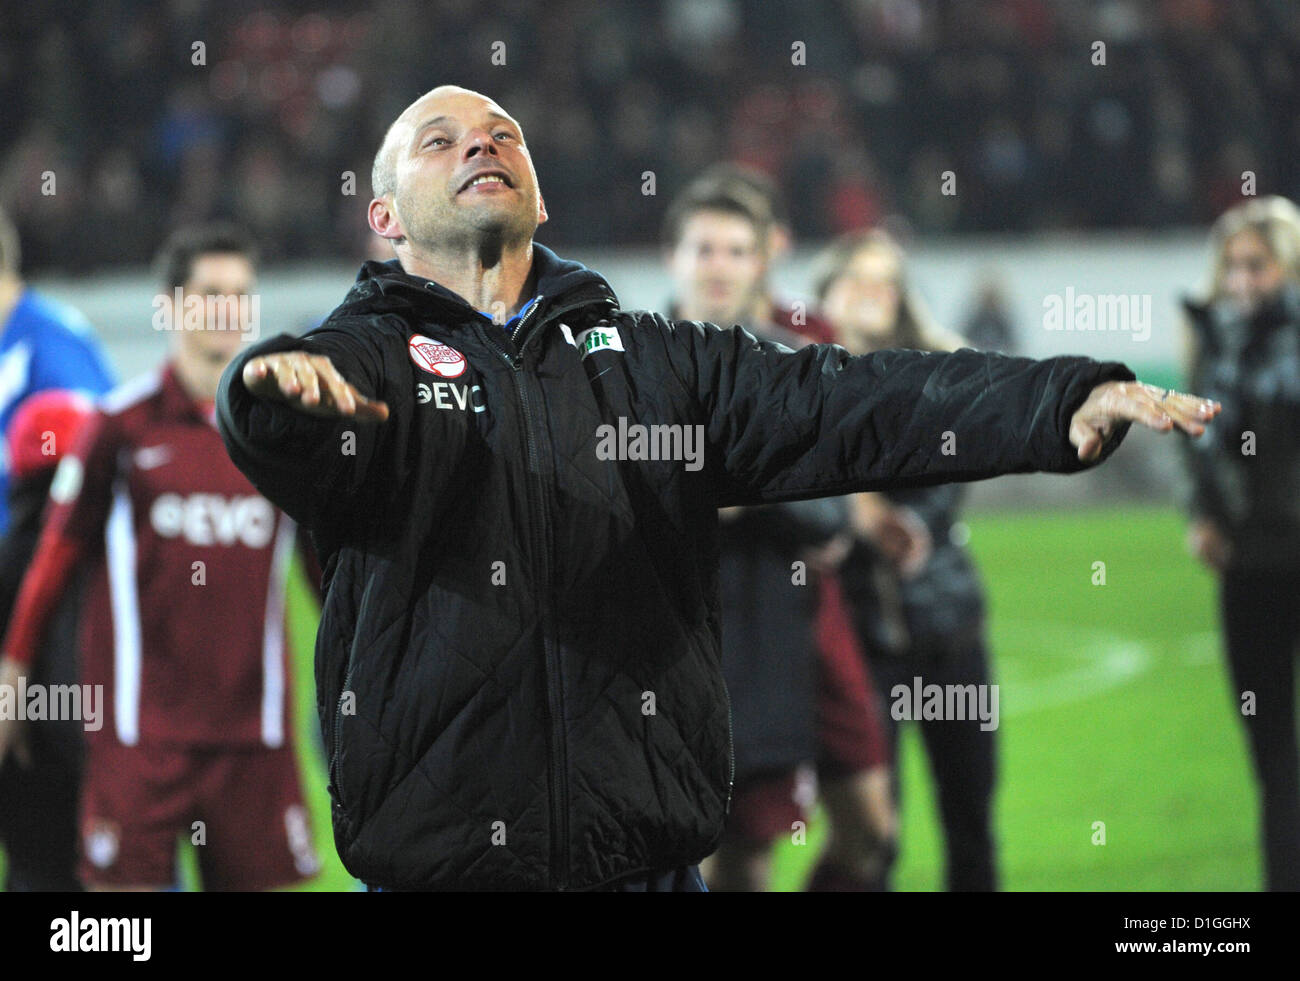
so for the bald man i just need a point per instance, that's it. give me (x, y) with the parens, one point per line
(513, 486)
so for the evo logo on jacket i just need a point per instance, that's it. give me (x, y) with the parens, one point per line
(449, 395)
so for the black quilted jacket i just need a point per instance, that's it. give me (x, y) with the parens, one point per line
(517, 664)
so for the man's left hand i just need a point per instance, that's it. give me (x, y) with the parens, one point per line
(1113, 403)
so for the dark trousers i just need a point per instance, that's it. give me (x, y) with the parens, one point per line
(38, 806)
(962, 758)
(1261, 624)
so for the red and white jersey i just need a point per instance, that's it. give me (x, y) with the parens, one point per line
(184, 613)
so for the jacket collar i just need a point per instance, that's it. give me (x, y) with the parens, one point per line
(384, 287)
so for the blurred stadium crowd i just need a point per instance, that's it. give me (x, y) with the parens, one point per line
(105, 94)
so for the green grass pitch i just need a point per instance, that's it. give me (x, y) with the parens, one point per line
(1114, 708)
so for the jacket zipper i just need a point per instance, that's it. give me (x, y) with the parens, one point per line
(731, 752)
(338, 718)
(554, 695)
(554, 690)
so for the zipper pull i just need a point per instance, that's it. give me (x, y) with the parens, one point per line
(535, 304)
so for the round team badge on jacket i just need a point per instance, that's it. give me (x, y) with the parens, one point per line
(438, 359)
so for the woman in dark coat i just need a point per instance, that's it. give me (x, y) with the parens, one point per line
(915, 594)
(1245, 493)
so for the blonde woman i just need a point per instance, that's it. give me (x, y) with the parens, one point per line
(1244, 350)
(917, 601)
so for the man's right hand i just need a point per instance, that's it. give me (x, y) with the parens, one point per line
(309, 383)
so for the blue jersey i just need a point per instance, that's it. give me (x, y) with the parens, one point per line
(45, 344)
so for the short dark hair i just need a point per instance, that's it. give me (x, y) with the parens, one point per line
(729, 174)
(175, 260)
(728, 197)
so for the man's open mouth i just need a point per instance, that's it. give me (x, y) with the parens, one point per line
(487, 177)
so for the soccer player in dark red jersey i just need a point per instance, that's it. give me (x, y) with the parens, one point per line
(195, 738)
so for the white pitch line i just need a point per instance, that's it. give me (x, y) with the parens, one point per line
(1103, 661)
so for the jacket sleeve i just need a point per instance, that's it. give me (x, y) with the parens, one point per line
(327, 474)
(782, 425)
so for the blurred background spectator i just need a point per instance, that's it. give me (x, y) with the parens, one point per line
(291, 96)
